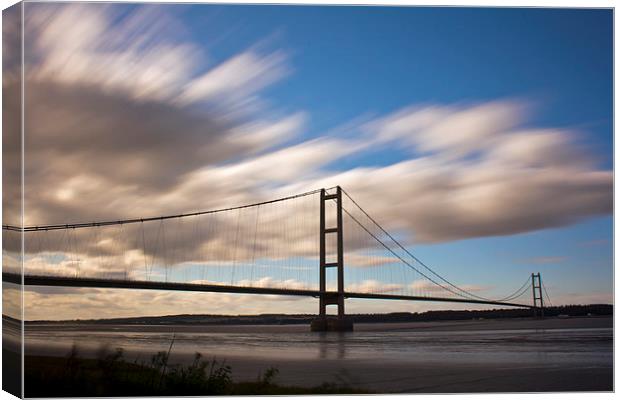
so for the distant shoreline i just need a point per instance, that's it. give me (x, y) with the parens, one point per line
(472, 325)
(297, 319)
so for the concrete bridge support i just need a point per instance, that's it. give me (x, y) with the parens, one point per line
(339, 322)
(539, 308)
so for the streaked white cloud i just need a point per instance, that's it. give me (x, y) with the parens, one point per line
(481, 174)
(449, 129)
(374, 286)
(108, 303)
(80, 44)
(239, 77)
(353, 259)
(494, 179)
(128, 118)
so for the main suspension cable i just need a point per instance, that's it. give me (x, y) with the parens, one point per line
(136, 220)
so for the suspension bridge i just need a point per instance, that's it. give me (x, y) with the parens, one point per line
(320, 244)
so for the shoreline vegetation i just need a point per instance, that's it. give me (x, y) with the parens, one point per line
(111, 375)
(291, 319)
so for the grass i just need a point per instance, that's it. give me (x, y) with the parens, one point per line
(110, 374)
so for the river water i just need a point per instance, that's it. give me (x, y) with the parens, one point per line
(382, 357)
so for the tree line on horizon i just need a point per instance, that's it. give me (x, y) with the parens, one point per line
(284, 319)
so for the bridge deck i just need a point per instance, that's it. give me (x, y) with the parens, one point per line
(41, 280)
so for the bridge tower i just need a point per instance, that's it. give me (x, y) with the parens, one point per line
(539, 309)
(323, 322)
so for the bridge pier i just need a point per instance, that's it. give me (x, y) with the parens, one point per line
(331, 324)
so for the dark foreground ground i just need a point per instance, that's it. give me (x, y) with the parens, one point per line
(111, 375)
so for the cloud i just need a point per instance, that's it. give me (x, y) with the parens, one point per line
(480, 173)
(241, 76)
(374, 286)
(450, 130)
(102, 90)
(364, 261)
(109, 303)
(136, 52)
(270, 282)
(145, 54)
(517, 180)
(127, 117)
(11, 300)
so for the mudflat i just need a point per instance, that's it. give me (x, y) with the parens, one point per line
(511, 355)
(433, 377)
(497, 324)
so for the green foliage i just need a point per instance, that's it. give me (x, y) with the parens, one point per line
(270, 375)
(195, 380)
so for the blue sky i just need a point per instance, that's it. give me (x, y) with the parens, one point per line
(483, 137)
(352, 61)
(349, 61)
